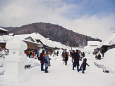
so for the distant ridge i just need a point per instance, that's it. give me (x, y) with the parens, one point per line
(54, 32)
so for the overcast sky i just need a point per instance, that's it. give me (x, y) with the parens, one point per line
(95, 18)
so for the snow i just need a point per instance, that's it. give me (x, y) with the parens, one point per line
(2, 67)
(89, 49)
(44, 40)
(17, 44)
(112, 41)
(3, 29)
(61, 75)
(13, 72)
(93, 43)
(15, 61)
(34, 37)
(109, 61)
(5, 38)
(109, 41)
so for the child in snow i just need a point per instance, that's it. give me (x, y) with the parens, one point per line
(83, 65)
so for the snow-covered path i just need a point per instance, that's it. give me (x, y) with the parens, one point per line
(62, 75)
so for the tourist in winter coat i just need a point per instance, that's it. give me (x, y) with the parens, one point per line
(76, 60)
(73, 54)
(46, 62)
(27, 53)
(66, 58)
(31, 54)
(42, 60)
(83, 65)
(57, 53)
(83, 54)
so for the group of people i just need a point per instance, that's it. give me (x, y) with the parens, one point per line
(76, 57)
(32, 54)
(45, 60)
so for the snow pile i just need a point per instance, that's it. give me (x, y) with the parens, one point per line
(89, 49)
(108, 62)
(110, 40)
(31, 62)
(2, 67)
(109, 59)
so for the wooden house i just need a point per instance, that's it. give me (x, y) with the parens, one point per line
(3, 31)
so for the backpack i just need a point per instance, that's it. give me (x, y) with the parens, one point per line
(45, 61)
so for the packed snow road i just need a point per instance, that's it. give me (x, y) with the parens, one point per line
(62, 75)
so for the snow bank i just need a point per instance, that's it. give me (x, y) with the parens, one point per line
(2, 67)
(32, 62)
(89, 49)
(108, 62)
(109, 41)
(109, 59)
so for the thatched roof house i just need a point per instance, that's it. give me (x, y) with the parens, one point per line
(3, 31)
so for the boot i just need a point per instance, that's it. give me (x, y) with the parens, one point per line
(83, 71)
(46, 69)
(42, 69)
(73, 67)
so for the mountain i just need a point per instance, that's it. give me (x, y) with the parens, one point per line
(54, 32)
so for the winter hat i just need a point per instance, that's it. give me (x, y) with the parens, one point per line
(85, 59)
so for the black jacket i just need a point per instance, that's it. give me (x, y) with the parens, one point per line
(76, 58)
(83, 65)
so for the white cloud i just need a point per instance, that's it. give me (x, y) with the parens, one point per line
(20, 12)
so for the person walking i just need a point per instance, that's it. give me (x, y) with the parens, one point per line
(46, 62)
(83, 65)
(42, 55)
(76, 60)
(66, 58)
(27, 53)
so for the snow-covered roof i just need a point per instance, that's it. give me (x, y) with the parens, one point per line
(25, 37)
(5, 38)
(44, 40)
(93, 43)
(32, 38)
(57, 44)
(110, 40)
(3, 29)
(11, 34)
(89, 48)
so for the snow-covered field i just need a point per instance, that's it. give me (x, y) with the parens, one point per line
(62, 75)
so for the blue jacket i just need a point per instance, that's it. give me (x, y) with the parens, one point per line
(47, 61)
